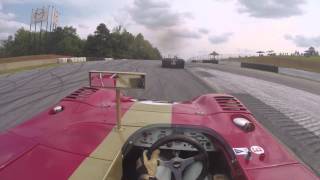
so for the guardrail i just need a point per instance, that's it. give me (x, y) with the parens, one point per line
(99, 59)
(71, 60)
(205, 61)
(81, 59)
(210, 61)
(262, 67)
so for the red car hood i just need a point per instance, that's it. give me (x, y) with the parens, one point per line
(56, 146)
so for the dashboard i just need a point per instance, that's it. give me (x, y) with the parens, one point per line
(148, 137)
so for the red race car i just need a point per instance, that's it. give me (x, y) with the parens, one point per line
(97, 133)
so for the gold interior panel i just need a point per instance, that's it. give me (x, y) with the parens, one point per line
(141, 114)
(112, 144)
(109, 165)
(152, 107)
(115, 169)
(90, 168)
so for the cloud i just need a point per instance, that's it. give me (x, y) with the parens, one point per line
(165, 27)
(6, 16)
(156, 14)
(204, 30)
(8, 23)
(302, 41)
(3, 36)
(271, 8)
(7, 26)
(184, 33)
(219, 39)
(83, 26)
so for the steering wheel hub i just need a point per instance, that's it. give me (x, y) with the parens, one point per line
(176, 164)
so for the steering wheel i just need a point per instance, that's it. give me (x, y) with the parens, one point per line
(177, 165)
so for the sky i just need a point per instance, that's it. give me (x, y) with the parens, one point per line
(187, 27)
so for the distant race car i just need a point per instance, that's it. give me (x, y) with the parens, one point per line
(174, 62)
(96, 133)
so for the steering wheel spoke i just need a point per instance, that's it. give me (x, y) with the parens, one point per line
(177, 173)
(177, 165)
(187, 162)
(165, 163)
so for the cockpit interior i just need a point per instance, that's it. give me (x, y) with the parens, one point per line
(186, 153)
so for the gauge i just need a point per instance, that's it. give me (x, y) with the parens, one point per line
(199, 137)
(144, 134)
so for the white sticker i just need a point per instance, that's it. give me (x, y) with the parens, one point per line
(257, 149)
(240, 151)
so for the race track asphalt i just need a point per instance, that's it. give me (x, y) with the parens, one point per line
(25, 94)
(286, 106)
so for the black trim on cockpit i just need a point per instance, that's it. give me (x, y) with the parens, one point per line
(211, 134)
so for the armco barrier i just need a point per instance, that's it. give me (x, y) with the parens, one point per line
(210, 61)
(95, 59)
(262, 67)
(71, 60)
(108, 59)
(62, 60)
(81, 59)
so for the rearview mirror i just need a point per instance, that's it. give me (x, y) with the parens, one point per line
(119, 80)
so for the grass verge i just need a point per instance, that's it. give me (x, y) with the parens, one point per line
(30, 58)
(303, 63)
(11, 71)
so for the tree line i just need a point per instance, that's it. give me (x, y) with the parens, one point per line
(118, 44)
